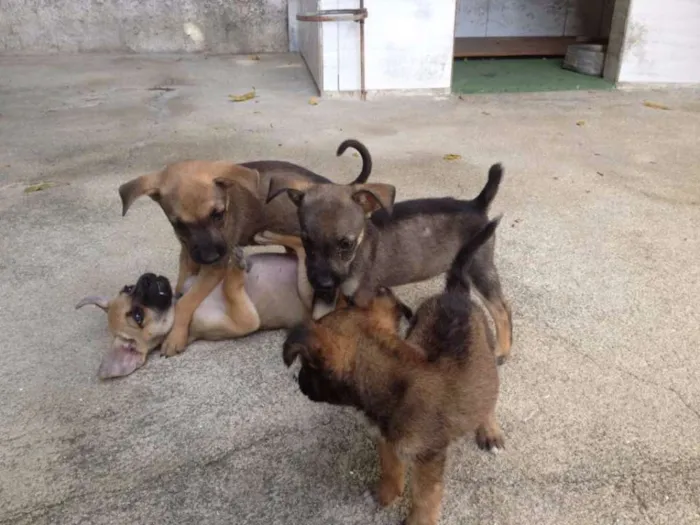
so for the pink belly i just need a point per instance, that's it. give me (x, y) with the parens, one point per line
(271, 284)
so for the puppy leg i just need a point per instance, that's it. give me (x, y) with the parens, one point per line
(243, 317)
(186, 269)
(426, 490)
(321, 308)
(292, 244)
(393, 472)
(207, 280)
(487, 283)
(489, 435)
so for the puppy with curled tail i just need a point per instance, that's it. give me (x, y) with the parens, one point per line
(215, 207)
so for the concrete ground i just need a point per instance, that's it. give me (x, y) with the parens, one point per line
(598, 252)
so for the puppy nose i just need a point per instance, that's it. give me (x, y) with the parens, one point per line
(211, 256)
(325, 282)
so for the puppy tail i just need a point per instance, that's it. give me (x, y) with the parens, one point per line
(364, 154)
(456, 275)
(483, 200)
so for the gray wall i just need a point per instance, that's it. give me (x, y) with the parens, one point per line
(69, 26)
(505, 18)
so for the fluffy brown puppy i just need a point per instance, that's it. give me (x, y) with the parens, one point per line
(422, 393)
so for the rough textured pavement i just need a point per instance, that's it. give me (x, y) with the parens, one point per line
(598, 252)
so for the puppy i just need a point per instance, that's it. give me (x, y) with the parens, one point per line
(270, 292)
(421, 393)
(215, 206)
(357, 240)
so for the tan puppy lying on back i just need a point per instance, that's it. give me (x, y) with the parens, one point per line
(270, 292)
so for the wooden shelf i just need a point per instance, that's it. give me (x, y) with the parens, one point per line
(481, 47)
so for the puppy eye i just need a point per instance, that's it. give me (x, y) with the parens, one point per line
(217, 215)
(128, 289)
(345, 244)
(137, 315)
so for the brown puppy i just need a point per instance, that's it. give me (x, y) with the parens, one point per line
(215, 206)
(270, 292)
(421, 393)
(356, 239)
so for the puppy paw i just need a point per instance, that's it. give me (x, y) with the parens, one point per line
(501, 357)
(388, 492)
(264, 238)
(238, 259)
(174, 344)
(490, 439)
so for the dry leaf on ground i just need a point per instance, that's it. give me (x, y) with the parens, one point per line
(39, 186)
(242, 98)
(313, 101)
(452, 156)
(655, 105)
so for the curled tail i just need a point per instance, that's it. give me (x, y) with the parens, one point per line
(456, 273)
(483, 200)
(364, 153)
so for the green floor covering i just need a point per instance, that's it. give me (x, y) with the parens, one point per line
(511, 75)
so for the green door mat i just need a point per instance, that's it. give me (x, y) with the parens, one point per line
(517, 75)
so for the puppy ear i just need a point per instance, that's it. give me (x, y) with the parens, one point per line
(234, 174)
(296, 344)
(375, 196)
(144, 185)
(294, 189)
(98, 300)
(296, 196)
(406, 310)
(121, 360)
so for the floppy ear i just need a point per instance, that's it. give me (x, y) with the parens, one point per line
(144, 185)
(294, 189)
(406, 310)
(121, 360)
(234, 174)
(98, 300)
(375, 196)
(296, 344)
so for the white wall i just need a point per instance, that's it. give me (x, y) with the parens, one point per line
(661, 42)
(308, 38)
(408, 45)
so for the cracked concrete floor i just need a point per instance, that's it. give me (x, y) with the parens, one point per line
(598, 252)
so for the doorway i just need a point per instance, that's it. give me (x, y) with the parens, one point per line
(505, 46)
